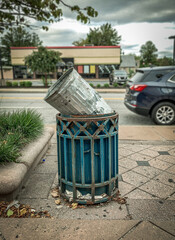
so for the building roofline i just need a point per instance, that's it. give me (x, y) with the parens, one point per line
(66, 47)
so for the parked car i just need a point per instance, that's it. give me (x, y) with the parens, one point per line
(151, 92)
(118, 76)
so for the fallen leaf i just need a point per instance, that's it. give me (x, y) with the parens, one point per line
(58, 202)
(74, 205)
(9, 213)
(23, 211)
(81, 206)
(55, 193)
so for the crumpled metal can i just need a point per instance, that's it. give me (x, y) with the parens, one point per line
(71, 94)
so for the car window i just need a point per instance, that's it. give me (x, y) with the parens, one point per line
(155, 75)
(120, 73)
(137, 77)
(172, 79)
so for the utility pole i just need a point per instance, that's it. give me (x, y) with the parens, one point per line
(173, 37)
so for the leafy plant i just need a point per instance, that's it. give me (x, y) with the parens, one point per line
(17, 129)
(28, 84)
(99, 85)
(91, 84)
(105, 35)
(115, 85)
(14, 84)
(43, 61)
(106, 85)
(9, 84)
(17, 37)
(16, 12)
(49, 81)
(22, 84)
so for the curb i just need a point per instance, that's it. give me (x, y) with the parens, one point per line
(44, 90)
(14, 175)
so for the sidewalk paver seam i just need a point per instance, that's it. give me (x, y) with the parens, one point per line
(161, 228)
(139, 185)
(170, 168)
(132, 229)
(170, 196)
(152, 195)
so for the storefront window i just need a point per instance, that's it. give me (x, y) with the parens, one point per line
(105, 70)
(21, 72)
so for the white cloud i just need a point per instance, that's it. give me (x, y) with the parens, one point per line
(139, 33)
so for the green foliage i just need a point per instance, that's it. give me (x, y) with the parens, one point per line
(18, 37)
(49, 81)
(9, 84)
(16, 130)
(22, 84)
(91, 84)
(28, 84)
(165, 61)
(106, 85)
(131, 72)
(148, 54)
(17, 12)
(102, 36)
(43, 61)
(25, 84)
(99, 85)
(14, 84)
(115, 85)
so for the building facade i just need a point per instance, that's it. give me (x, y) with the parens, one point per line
(89, 61)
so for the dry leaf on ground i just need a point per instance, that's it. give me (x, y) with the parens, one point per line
(58, 202)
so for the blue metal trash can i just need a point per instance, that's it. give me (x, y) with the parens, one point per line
(87, 157)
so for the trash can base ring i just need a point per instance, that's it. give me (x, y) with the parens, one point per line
(89, 202)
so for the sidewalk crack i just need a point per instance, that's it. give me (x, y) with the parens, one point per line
(162, 228)
(132, 229)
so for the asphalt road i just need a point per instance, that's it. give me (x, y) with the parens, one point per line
(16, 101)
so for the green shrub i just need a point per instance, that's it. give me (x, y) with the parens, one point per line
(22, 84)
(106, 85)
(9, 84)
(14, 84)
(91, 84)
(28, 84)
(98, 85)
(17, 129)
(115, 85)
(49, 81)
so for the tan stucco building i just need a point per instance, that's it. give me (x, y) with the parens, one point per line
(89, 61)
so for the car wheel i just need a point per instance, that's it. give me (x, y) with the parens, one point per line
(164, 113)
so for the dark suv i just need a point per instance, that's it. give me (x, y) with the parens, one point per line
(151, 92)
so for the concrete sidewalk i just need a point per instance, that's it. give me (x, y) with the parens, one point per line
(44, 90)
(146, 179)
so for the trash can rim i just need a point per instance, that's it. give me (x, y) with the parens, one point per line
(96, 117)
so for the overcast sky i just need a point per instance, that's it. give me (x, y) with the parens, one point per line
(137, 21)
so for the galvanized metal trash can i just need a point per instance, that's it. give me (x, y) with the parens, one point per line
(71, 94)
(87, 157)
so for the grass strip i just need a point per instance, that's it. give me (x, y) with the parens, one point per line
(16, 130)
